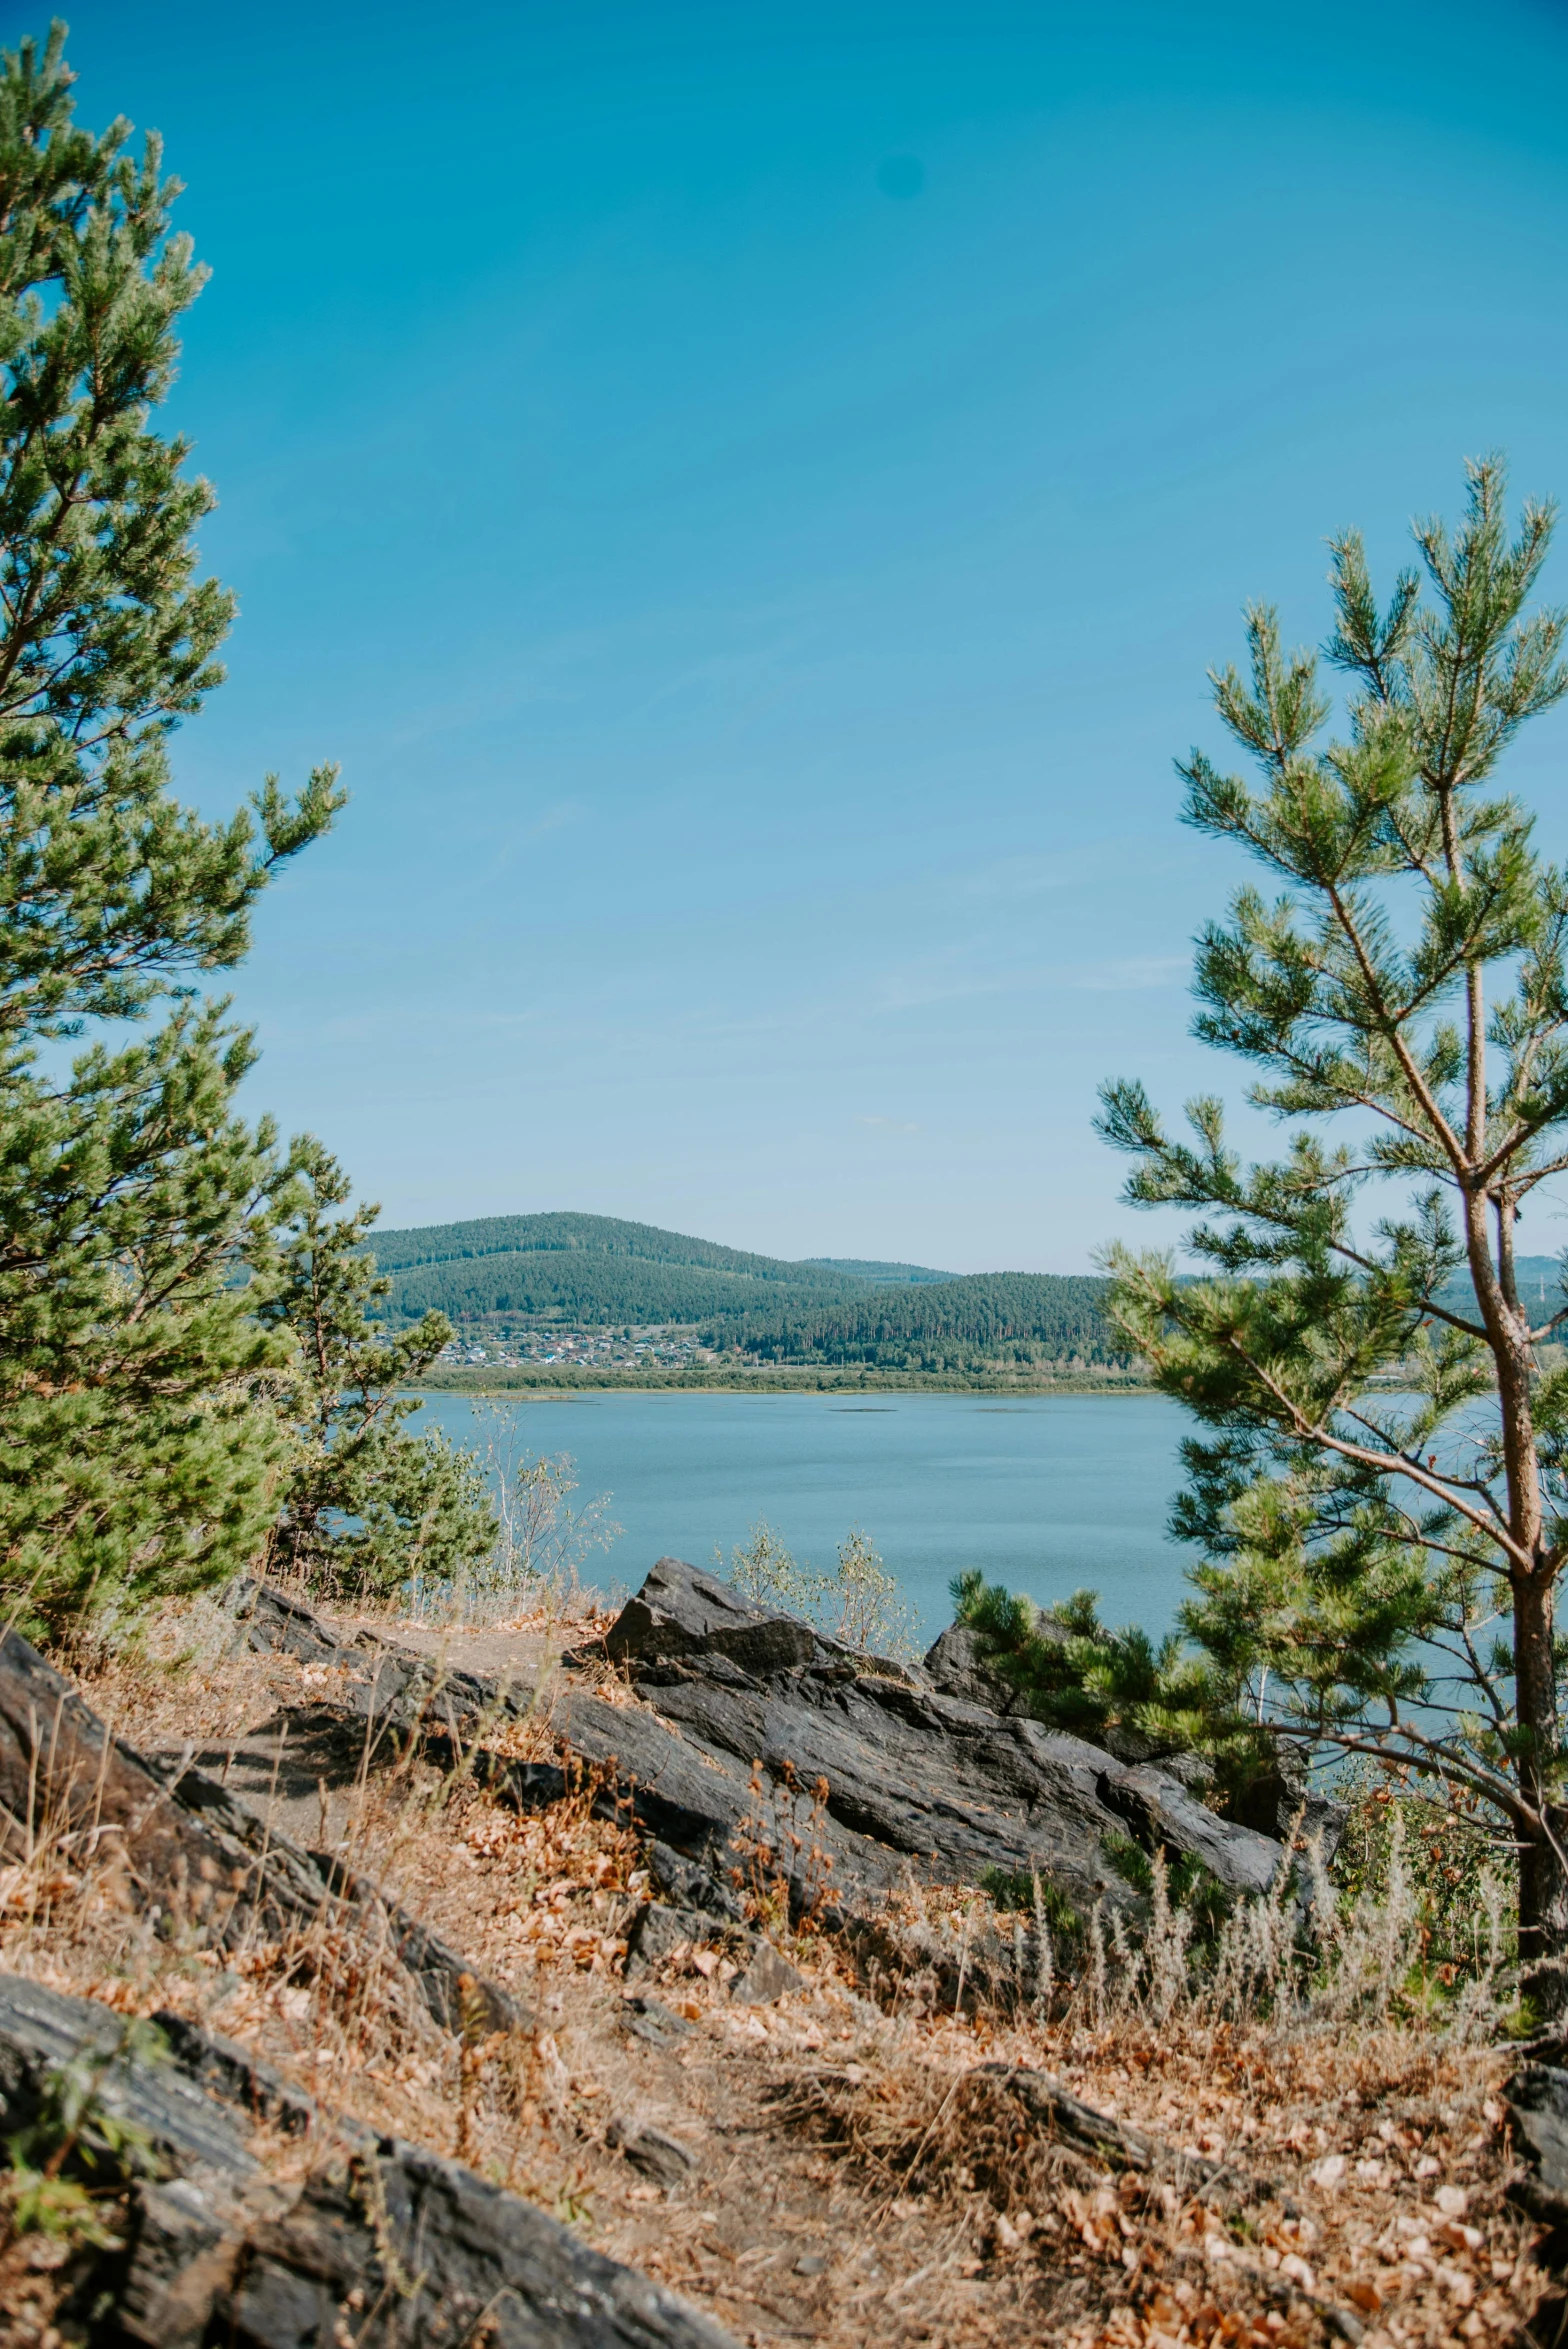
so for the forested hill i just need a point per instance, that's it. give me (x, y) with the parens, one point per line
(985, 1317)
(1539, 1280)
(593, 1270)
(586, 1269)
(890, 1276)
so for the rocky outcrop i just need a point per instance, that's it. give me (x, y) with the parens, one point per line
(65, 1779)
(763, 1747)
(912, 1778)
(184, 1849)
(380, 2241)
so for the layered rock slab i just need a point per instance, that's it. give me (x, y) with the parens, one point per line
(219, 2254)
(762, 1744)
(182, 1846)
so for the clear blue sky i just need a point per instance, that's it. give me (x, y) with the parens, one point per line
(749, 494)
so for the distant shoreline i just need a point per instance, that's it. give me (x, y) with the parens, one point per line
(805, 1380)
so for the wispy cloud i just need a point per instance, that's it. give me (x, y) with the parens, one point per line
(889, 1125)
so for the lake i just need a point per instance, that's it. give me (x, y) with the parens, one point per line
(1046, 1493)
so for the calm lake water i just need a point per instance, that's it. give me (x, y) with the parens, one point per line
(1045, 1493)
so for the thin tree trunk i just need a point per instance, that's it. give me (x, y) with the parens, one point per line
(1543, 1868)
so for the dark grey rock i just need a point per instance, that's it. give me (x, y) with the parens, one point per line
(189, 1849)
(650, 2020)
(918, 1781)
(235, 2076)
(658, 1932)
(658, 2155)
(681, 1613)
(450, 2252)
(43, 2029)
(275, 1624)
(460, 1999)
(298, 1885)
(953, 1665)
(1537, 2099)
(219, 2253)
(689, 1886)
(1163, 1815)
(186, 2239)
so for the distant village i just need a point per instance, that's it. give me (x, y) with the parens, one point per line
(661, 1343)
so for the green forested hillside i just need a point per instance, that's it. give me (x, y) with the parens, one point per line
(591, 1268)
(1540, 1284)
(587, 1271)
(870, 1268)
(996, 1316)
(594, 1270)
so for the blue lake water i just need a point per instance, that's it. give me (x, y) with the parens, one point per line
(1044, 1493)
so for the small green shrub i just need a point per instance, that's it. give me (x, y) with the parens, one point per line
(1022, 1891)
(75, 2153)
(857, 1602)
(1448, 1863)
(1190, 1887)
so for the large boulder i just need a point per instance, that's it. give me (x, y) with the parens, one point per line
(911, 1779)
(760, 1744)
(682, 1614)
(953, 1664)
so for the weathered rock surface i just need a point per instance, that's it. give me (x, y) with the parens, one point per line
(1537, 2098)
(757, 1730)
(658, 1932)
(63, 1776)
(184, 1846)
(457, 2258)
(653, 2151)
(952, 1664)
(43, 2029)
(916, 1779)
(218, 2254)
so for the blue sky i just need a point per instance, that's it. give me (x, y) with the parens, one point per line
(750, 494)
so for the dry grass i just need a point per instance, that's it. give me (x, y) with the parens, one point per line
(856, 2179)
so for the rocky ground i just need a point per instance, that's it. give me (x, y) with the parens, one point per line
(679, 1944)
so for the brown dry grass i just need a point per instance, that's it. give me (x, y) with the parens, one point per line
(856, 2180)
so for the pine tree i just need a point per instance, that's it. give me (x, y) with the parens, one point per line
(370, 1507)
(138, 1448)
(1381, 1499)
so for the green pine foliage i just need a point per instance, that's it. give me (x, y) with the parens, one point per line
(371, 1507)
(1379, 1497)
(1072, 1671)
(138, 1448)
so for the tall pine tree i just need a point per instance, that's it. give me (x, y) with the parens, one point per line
(139, 1447)
(1382, 1495)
